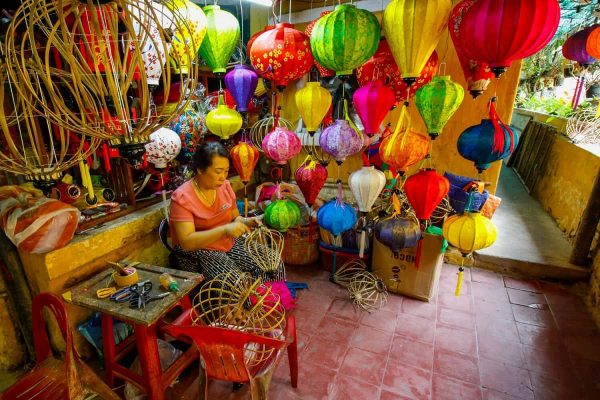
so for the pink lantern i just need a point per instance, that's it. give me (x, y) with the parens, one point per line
(281, 144)
(372, 103)
(340, 140)
(310, 178)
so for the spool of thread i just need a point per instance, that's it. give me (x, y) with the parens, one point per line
(105, 195)
(67, 193)
(126, 280)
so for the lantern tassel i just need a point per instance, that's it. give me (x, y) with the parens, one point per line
(361, 249)
(418, 253)
(245, 202)
(459, 280)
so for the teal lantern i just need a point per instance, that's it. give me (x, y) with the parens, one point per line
(222, 35)
(345, 39)
(437, 102)
(282, 215)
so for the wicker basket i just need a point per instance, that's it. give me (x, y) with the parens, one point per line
(301, 245)
(333, 257)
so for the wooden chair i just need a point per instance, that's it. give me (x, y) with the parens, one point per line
(237, 356)
(52, 378)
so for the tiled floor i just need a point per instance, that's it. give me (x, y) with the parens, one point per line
(501, 339)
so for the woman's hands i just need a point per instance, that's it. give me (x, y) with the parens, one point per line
(251, 222)
(236, 229)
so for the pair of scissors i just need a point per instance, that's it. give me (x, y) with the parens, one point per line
(106, 292)
(140, 293)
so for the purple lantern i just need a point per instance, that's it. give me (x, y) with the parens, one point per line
(281, 144)
(574, 47)
(340, 140)
(241, 82)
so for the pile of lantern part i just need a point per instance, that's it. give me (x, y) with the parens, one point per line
(366, 290)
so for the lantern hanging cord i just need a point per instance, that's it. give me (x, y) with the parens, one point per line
(242, 57)
(290, 12)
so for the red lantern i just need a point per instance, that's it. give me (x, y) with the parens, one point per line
(383, 68)
(425, 190)
(324, 72)
(281, 54)
(498, 32)
(257, 34)
(310, 178)
(372, 102)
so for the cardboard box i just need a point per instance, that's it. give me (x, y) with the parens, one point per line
(400, 274)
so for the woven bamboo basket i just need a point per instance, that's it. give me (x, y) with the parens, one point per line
(301, 245)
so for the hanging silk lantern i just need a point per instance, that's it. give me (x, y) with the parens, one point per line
(282, 215)
(190, 126)
(592, 44)
(469, 232)
(313, 102)
(404, 147)
(437, 102)
(223, 121)
(340, 140)
(345, 39)
(241, 82)
(310, 178)
(336, 216)
(575, 47)
(189, 31)
(281, 144)
(281, 54)
(487, 142)
(424, 191)
(323, 72)
(163, 147)
(477, 74)
(222, 35)
(244, 158)
(398, 233)
(253, 38)
(383, 68)
(413, 29)
(498, 32)
(372, 102)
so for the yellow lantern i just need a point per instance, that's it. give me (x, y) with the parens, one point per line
(413, 29)
(223, 121)
(313, 102)
(189, 31)
(287, 102)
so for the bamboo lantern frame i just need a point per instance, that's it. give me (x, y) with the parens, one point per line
(265, 246)
(367, 291)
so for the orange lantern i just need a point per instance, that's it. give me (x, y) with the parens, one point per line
(244, 157)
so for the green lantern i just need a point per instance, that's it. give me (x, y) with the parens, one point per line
(437, 102)
(282, 215)
(222, 35)
(345, 39)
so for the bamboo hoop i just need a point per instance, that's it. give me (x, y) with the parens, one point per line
(344, 274)
(584, 126)
(262, 127)
(265, 246)
(367, 291)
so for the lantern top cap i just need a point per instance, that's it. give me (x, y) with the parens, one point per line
(211, 7)
(346, 5)
(313, 83)
(284, 25)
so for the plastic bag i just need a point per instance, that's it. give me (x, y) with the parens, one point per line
(167, 353)
(91, 330)
(36, 224)
(459, 197)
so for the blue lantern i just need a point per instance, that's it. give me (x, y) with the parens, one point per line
(485, 143)
(241, 82)
(398, 233)
(336, 217)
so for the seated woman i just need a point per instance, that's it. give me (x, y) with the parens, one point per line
(205, 222)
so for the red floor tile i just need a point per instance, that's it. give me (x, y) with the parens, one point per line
(577, 322)
(336, 330)
(406, 380)
(315, 382)
(525, 298)
(385, 395)
(490, 394)
(497, 327)
(486, 291)
(346, 387)
(540, 337)
(445, 388)
(456, 365)
(411, 352)
(588, 373)
(456, 318)
(394, 303)
(484, 276)
(449, 300)
(455, 339)
(551, 363)
(448, 285)
(381, 319)
(501, 310)
(344, 309)
(364, 365)
(523, 284)
(549, 389)
(419, 308)
(505, 379)
(501, 350)
(414, 327)
(372, 339)
(585, 346)
(533, 316)
(327, 353)
(308, 319)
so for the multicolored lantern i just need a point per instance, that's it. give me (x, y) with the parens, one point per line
(190, 29)
(313, 102)
(366, 185)
(336, 216)
(498, 32)
(372, 102)
(244, 158)
(575, 47)
(281, 54)
(592, 45)
(413, 29)
(323, 72)
(222, 35)
(340, 140)
(223, 121)
(425, 190)
(281, 144)
(345, 39)
(163, 147)
(310, 178)
(404, 147)
(383, 68)
(398, 233)
(477, 74)
(437, 102)
(253, 38)
(241, 82)
(282, 215)
(190, 126)
(487, 142)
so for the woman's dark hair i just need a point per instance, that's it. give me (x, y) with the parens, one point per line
(204, 155)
